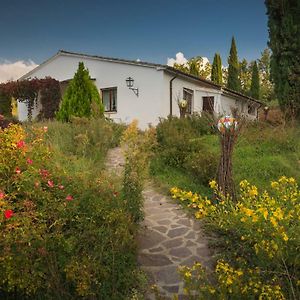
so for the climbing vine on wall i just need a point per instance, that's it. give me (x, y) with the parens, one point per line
(28, 91)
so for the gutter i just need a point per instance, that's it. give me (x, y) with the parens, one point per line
(171, 93)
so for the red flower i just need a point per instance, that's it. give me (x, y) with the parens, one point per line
(69, 198)
(18, 171)
(8, 213)
(29, 161)
(61, 187)
(20, 144)
(44, 173)
(2, 195)
(50, 183)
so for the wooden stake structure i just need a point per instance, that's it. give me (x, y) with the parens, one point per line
(229, 129)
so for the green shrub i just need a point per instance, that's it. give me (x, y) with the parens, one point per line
(64, 235)
(138, 149)
(258, 237)
(202, 165)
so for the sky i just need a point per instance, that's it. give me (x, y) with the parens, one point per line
(152, 30)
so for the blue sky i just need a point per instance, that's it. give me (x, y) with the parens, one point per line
(150, 30)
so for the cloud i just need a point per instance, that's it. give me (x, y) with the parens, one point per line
(180, 59)
(14, 70)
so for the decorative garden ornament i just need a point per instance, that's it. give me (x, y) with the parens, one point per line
(182, 107)
(227, 123)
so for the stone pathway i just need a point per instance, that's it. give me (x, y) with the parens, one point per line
(168, 239)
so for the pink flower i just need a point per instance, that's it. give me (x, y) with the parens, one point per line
(20, 144)
(18, 171)
(36, 184)
(8, 213)
(69, 198)
(45, 128)
(50, 183)
(61, 187)
(44, 173)
(29, 161)
(2, 195)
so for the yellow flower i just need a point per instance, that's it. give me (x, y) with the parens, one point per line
(274, 184)
(253, 191)
(274, 222)
(285, 237)
(254, 219)
(188, 274)
(278, 214)
(248, 212)
(213, 184)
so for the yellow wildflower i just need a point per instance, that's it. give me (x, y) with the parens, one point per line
(213, 184)
(274, 184)
(285, 237)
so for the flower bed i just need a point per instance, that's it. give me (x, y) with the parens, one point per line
(259, 239)
(59, 238)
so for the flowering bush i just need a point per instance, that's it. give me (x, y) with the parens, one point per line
(260, 230)
(138, 149)
(59, 238)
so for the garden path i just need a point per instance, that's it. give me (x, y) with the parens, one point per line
(169, 237)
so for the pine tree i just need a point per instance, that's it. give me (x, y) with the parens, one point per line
(233, 81)
(284, 41)
(255, 84)
(80, 98)
(216, 71)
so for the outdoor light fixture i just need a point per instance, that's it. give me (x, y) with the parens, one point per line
(129, 83)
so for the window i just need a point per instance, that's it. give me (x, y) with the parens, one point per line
(251, 109)
(109, 99)
(188, 96)
(208, 104)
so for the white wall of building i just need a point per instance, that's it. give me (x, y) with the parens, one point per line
(149, 81)
(153, 84)
(23, 110)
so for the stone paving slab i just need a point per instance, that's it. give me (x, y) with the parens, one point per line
(168, 238)
(173, 236)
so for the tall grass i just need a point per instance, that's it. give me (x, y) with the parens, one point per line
(263, 152)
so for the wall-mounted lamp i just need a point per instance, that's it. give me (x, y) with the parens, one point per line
(129, 83)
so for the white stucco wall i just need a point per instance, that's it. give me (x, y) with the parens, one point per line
(23, 111)
(199, 92)
(153, 83)
(149, 81)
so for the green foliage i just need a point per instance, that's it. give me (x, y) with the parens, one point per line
(5, 104)
(180, 146)
(216, 71)
(233, 81)
(255, 84)
(266, 86)
(69, 235)
(259, 238)
(81, 98)
(196, 67)
(138, 149)
(262, 152)
(202, 164)
(245, 76)
(284, 32)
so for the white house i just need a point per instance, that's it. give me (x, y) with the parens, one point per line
(143, 91)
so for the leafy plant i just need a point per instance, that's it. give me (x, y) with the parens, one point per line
(81, 98)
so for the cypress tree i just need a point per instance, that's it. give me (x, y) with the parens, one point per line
(233, 81)
(255, 84)
(81, 97)
(284, 41)
(216, 71)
